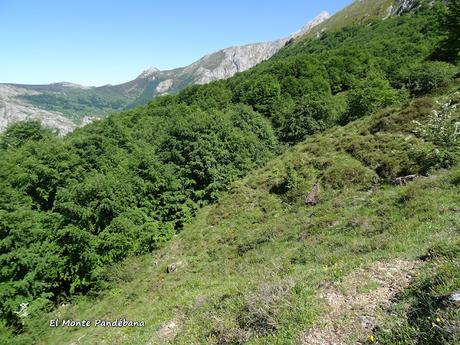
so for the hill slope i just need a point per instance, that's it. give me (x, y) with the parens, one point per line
(253, 268)
(363, 12)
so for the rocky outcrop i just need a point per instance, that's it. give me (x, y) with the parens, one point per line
(13, 110)
(313, 197)
(164, 86)
(233, 60)
(221, 64)
(319, 19)
(404, 6)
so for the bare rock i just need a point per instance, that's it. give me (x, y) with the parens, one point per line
(167, 329)
(172, 267)
(454, 298)
(403, 180)
(164, 86)
(313, 197)
(367, 322)
(165, 333)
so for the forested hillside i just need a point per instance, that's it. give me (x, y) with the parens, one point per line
(73, 207)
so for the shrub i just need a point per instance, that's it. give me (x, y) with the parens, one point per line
(370, 95)
(260, 314)
(311, 114)
(391, 155)
(401, 120)
(224, 335)
(456, 176)
(346, 172)
(442, 127)
(422, 78)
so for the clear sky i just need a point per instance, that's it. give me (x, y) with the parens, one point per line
(96, 42)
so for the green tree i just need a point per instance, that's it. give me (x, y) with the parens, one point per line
(311, 114)
(369, 95)
(259, 92)
(421, 78)
(450, 47)
(20, 133)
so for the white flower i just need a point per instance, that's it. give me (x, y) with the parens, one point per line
(23, 312)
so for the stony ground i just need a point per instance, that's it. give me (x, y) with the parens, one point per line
(354, 305)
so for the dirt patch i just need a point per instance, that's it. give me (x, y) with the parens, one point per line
(354, 305)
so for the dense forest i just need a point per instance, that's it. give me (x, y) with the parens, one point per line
(72, 206)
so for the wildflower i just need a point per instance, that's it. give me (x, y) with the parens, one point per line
(441, 127)
(23, 311)
(372, 338)
(438, 319)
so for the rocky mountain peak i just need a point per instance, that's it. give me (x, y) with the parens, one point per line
(149, 72)
(323, 16)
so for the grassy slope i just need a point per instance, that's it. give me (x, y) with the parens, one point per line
(77, 103)
(358, 12)
(251, 267)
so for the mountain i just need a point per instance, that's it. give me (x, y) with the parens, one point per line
(65, 106)
(12, 109)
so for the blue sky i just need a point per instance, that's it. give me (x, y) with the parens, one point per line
(100, 41)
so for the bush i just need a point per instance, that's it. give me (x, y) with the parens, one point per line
(422, 78)
(370, 95)
(391, 155)
(442, 127)
(261, 311)
(456, 176)
(348, 172)
(311, 114)
(222, 334)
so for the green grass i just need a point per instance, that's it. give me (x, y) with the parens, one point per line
(358, 12)
(76, 103)
(423, 314)
(252, 266)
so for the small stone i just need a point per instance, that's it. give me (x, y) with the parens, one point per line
(171, 268)
(455, 298)
(366, 322)
(168, 329)
(313, 197)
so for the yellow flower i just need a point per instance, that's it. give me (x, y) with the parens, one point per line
(438, 320)
(372, 338)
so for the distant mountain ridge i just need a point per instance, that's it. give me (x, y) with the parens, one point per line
(65, 106)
